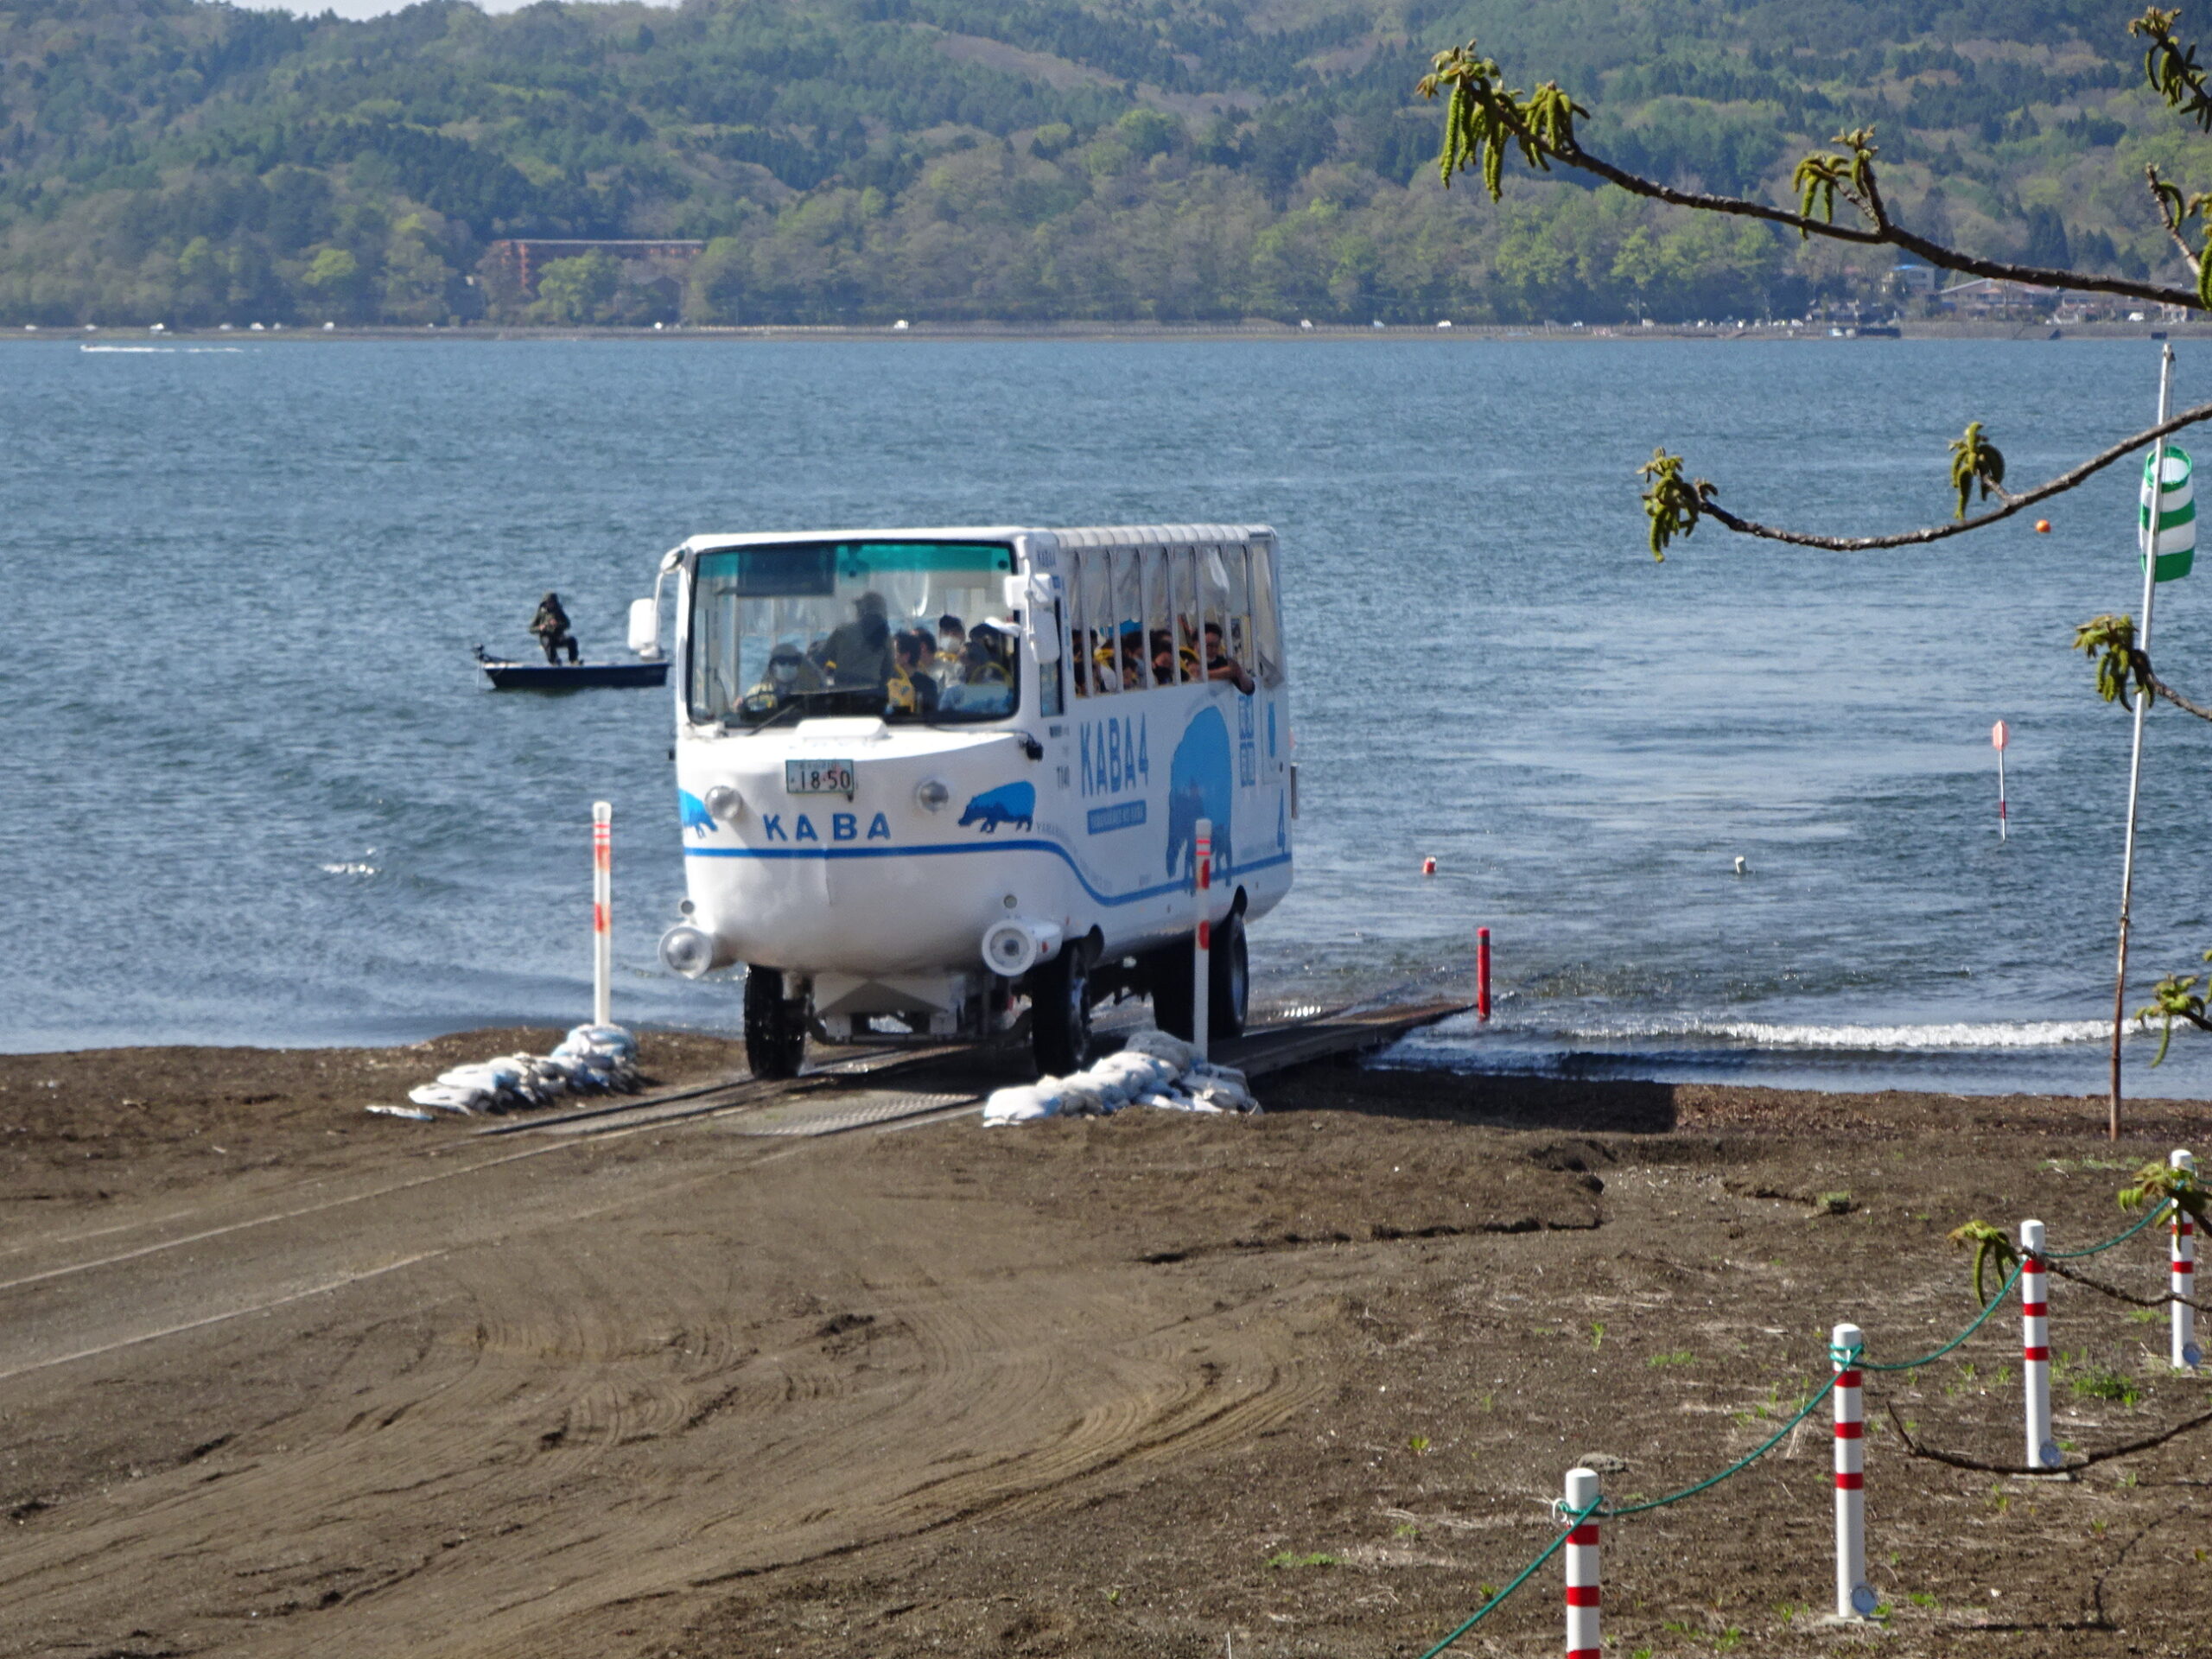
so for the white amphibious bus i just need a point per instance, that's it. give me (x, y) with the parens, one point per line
(927, 775)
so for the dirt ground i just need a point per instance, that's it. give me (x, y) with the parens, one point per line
(280, 1376)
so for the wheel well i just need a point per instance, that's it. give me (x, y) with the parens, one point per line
(1241, 903)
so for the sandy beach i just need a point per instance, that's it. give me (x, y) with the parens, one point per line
(282, 1377)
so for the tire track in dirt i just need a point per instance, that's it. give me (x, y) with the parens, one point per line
(606, 1409)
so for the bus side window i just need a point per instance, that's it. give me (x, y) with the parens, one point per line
(1239, 645)
(1158, 612)
(1190, 665)
(1078, 658)
(1129, 616)
(1049, 695)
(1267, 617)
(1096, 644)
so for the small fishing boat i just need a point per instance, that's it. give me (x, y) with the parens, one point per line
(507, 676)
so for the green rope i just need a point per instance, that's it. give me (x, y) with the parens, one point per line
(1844, 1359)
(2154, 1213)
(1995, 1302)
(1741, 1464)
(1521, 1577)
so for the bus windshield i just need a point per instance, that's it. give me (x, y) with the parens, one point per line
(911, 631)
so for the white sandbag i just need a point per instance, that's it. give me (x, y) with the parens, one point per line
(1020, 1105)
(445, 1098)
(1162, 1045)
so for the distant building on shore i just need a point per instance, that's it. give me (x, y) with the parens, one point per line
(523, 257)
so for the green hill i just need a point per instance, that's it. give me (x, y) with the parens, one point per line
(857, 160)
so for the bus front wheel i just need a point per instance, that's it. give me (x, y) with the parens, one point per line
(775, 1026)
(1059, 1012)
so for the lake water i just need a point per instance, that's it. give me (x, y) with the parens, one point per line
(254, 792)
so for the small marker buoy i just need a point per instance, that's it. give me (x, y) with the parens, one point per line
(1428, 867)
(2043, 526)
(1742, 867)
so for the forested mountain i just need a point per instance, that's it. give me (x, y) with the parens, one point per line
(857, 160)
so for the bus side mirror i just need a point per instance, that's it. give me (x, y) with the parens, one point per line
(645, 627)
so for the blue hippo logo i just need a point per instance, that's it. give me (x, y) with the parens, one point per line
(695, 813)
(1013, 803)
(1198, 787)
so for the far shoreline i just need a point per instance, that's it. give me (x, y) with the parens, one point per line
(141, 334)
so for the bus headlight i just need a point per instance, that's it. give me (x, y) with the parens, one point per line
(687, 951)
(933, 794)
(724, 804)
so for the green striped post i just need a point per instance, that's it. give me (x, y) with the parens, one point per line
(2176, 548)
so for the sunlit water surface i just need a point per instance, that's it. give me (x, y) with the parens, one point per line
(255, 792)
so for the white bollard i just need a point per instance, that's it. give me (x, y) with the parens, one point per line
(602, 906)
(1582, 1568)
(2035, 1349)
(2181, 1277)
(1202, 950)
(1855, 1597)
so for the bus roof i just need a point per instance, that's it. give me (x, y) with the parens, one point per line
(1086, 536)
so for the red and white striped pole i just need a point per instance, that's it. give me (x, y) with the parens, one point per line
(1998, 736)
(1482, 973)
(1855, 1597)
(2034, 1348)
(602, 908)
(2181, 1278)
(1202, 950)
(1582, 1567)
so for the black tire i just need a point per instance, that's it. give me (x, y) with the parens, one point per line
(1229, 1001)
(775, 1027)
(1060, 1013)
(1167, 975)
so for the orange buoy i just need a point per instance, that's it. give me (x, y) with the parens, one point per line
(2043, 526)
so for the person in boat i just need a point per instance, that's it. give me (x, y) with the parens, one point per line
(1222, 666)
(859, 654)
(550, 624)
(789, 673)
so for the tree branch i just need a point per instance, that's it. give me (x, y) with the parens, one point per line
(2168, 200)
(1957, 1460)
(1886, 233)
(2013, 503)
(2182, 703)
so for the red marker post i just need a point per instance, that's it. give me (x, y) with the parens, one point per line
(602, 911)
(1482, 973)
(1998, 737)
(1201, 940)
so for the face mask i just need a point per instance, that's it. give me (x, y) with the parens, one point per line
(786, 672)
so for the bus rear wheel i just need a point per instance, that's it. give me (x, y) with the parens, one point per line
(1060, 1013)
(775, 1026)
(1229, 999)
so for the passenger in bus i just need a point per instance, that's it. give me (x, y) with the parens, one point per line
(979, 664)
(913, 690)
(1133, 658)
(998, 640)
(951, 640)
(1164, 659)
(1102, 670)
(859, 653)
(789, 673)
(1221, 666)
